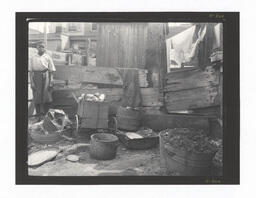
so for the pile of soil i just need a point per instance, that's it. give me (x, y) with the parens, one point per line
(189, 140)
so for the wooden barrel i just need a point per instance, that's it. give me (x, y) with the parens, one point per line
(128, 119)
(184, 163)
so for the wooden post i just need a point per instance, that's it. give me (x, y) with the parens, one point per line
(156, 58)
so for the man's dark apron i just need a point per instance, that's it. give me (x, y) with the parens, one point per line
(41, 93)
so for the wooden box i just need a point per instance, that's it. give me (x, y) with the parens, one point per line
(94, 115)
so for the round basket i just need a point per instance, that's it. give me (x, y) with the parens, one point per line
(185, 163)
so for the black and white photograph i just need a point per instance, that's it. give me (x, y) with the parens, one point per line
(125, 99)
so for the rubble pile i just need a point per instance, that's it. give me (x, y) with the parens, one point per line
(189, 140)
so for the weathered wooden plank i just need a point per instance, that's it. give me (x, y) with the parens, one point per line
(142, 75)
(152, 110)
(150, 96)
(213, 111)
(192, 98)
(90, 74)
(190, 79)
(160, 122)
(100, 75)
(65, 96)
(128, 38)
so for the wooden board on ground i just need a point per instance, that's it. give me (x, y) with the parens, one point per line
(160, 122)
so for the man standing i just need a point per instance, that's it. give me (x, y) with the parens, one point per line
(41, 67)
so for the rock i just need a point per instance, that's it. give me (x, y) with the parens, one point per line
(72, 158)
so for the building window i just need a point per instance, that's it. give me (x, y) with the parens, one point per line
(94, 26)
(93, 44)
(74, 27)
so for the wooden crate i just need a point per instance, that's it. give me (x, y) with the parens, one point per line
(94, 115)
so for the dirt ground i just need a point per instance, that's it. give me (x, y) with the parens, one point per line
(127, 162)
